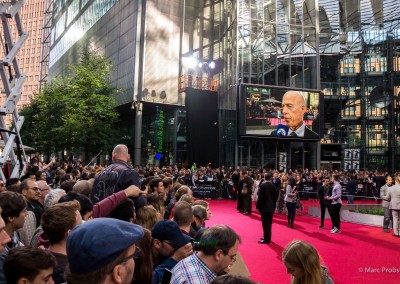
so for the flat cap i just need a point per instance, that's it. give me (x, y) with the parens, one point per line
(98, 242)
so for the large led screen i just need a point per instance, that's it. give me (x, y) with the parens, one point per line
(280, 112)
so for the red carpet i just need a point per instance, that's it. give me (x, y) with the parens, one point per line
(361, 254)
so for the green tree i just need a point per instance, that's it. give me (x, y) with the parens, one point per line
(76, 111)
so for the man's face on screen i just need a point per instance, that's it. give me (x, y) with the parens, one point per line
(293, 109)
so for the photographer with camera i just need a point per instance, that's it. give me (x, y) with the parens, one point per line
(169, 246)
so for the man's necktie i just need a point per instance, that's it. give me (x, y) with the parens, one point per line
(293, 134)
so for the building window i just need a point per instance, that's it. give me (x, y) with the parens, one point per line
(370, 69)
(348, 60)
(348, 70)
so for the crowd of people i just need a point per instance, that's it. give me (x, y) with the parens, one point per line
(328, 187)
(71, 223)
(257, 109)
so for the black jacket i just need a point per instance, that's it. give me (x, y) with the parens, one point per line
(351, 187)
(116, 177)
(324, 192)
(267, 197)
(277, 183)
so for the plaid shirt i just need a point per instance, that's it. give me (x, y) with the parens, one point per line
(192, 270)
(28, 230)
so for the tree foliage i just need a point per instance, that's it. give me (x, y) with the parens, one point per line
(74, 112)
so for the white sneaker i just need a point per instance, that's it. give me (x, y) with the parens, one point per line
(333, 230)
(336, 232)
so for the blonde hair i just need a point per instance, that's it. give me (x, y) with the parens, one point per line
(186, 197)
(284, 181)
(303, 255)
(202, 203)
(146, 216)
(397, 179)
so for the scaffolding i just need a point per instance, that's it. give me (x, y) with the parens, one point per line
(12, 79)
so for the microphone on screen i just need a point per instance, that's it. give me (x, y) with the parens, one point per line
(282, 130)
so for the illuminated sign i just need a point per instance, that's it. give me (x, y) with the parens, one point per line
(280, 112)
(159, 132)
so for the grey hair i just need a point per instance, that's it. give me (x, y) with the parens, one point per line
(199, 211)
(53, 196)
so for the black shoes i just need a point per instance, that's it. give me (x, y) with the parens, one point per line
(262, 241)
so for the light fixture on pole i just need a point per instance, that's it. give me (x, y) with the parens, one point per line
(380, 97)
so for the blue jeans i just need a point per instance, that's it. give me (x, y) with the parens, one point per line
(350, 199)
(387, 217)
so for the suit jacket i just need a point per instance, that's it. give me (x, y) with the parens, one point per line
(384, 191)
(267, 197)
(322, 193)
(308, 133)
(277, 183)
(394, 197)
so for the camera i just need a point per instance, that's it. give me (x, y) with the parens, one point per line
(195, 245)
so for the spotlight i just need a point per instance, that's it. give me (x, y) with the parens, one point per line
(145, 92)
(191, 62)
(163, 95)
(211, 65)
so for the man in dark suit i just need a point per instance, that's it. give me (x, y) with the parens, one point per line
(323, 192)
(293, 109)
(240, 197)
(276, 180)
(267, 197)
(379, 180)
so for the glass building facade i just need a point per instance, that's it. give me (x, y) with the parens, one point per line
(348, 49)
(141, 38)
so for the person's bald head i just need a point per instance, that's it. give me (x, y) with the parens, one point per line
(120, 152)
(294, 107)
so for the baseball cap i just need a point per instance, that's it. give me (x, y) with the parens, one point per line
(167, 230)
(96, 243)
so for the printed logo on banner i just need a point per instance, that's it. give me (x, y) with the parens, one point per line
(282, 157)
(351, 159)
(356, 166)
(356, 154)
(347, 154)
(347, 165)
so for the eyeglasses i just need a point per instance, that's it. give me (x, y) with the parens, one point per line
(175, 247)
(135, 255)
(232, 257)
(44, 189)
(35, 188)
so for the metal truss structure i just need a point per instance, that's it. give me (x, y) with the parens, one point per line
(12, 80)
(46, 42)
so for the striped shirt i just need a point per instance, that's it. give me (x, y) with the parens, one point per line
(192, 270)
